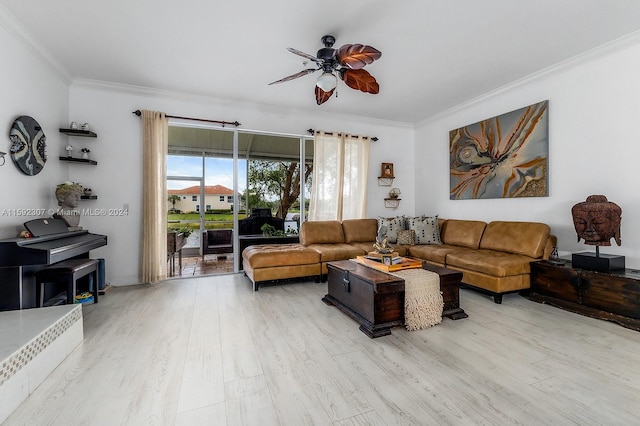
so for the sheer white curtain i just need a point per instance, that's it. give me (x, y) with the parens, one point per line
(340, 169)
(155, 127)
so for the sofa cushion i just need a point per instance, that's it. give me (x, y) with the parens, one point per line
(321, 232)
(490, 262)
(359, 230)
(426, 229)
(463, 233)
(392, 225)
(267, 255)
(365, 246)
(527, 238)
(434, 252)
(402, 249)
(338, 251)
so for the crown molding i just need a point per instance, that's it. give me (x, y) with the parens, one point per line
(632, 39)
(196, 97)
(24, 37)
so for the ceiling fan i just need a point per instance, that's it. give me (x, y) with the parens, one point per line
(347, 62)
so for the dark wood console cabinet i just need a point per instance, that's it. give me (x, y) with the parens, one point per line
(613, 296)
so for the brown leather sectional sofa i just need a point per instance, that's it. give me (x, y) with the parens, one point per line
(493, 257)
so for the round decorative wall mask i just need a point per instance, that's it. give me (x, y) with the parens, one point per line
(28, 145)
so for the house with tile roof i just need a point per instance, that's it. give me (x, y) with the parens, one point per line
(216, 197)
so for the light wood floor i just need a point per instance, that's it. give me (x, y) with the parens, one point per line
(209, 351)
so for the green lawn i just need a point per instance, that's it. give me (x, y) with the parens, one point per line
(212, 220)
(209, 217)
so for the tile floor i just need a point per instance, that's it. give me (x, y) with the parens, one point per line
(193, 266)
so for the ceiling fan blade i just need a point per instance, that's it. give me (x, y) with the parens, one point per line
(296, 75)
(322, 96)
(304, 55)
(360, 80)
(356, 56)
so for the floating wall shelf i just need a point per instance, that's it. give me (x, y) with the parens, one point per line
(78, 132)
(392, 203)
(79, 160)
(385, 181)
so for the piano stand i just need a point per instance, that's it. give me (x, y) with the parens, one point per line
(22, 258)
(68, 271)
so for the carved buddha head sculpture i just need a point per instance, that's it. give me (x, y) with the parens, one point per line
(597, 220)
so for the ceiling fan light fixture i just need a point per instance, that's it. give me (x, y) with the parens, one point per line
(346, 62)
(327, 81)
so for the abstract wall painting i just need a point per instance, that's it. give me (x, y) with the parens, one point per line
(506, 156)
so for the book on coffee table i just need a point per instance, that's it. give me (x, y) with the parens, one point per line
(404, 263)
(375, 255)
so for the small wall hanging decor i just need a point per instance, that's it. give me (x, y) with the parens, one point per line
(28, 145)
(505, 156)
(387, 170)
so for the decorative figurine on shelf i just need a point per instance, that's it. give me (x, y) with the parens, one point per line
(69, 150)
(387, 170)
(85, 127)
(394, 193)
(597, 220)
(73, 125)
(554, 257)
(85, 153)
(68, 196)
(382, 245)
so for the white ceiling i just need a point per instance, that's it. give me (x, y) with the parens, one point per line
(435, 53)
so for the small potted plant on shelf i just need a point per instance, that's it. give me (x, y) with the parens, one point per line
(85, 153)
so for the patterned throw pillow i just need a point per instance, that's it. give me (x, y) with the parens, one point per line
(426, 229)
(410, 222)
(392, 226)
(407, 237)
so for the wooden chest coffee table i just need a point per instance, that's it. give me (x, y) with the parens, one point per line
(375, 299)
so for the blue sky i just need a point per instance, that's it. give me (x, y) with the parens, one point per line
(218, 171)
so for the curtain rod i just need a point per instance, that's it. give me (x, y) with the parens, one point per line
(235, 123)
(375, 139)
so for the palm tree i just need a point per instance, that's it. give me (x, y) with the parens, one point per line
(173, 199)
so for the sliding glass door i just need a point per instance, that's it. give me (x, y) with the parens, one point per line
(217, 177)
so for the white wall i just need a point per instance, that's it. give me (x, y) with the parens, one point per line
(117, 178)
(29, 87)
(593, 143)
